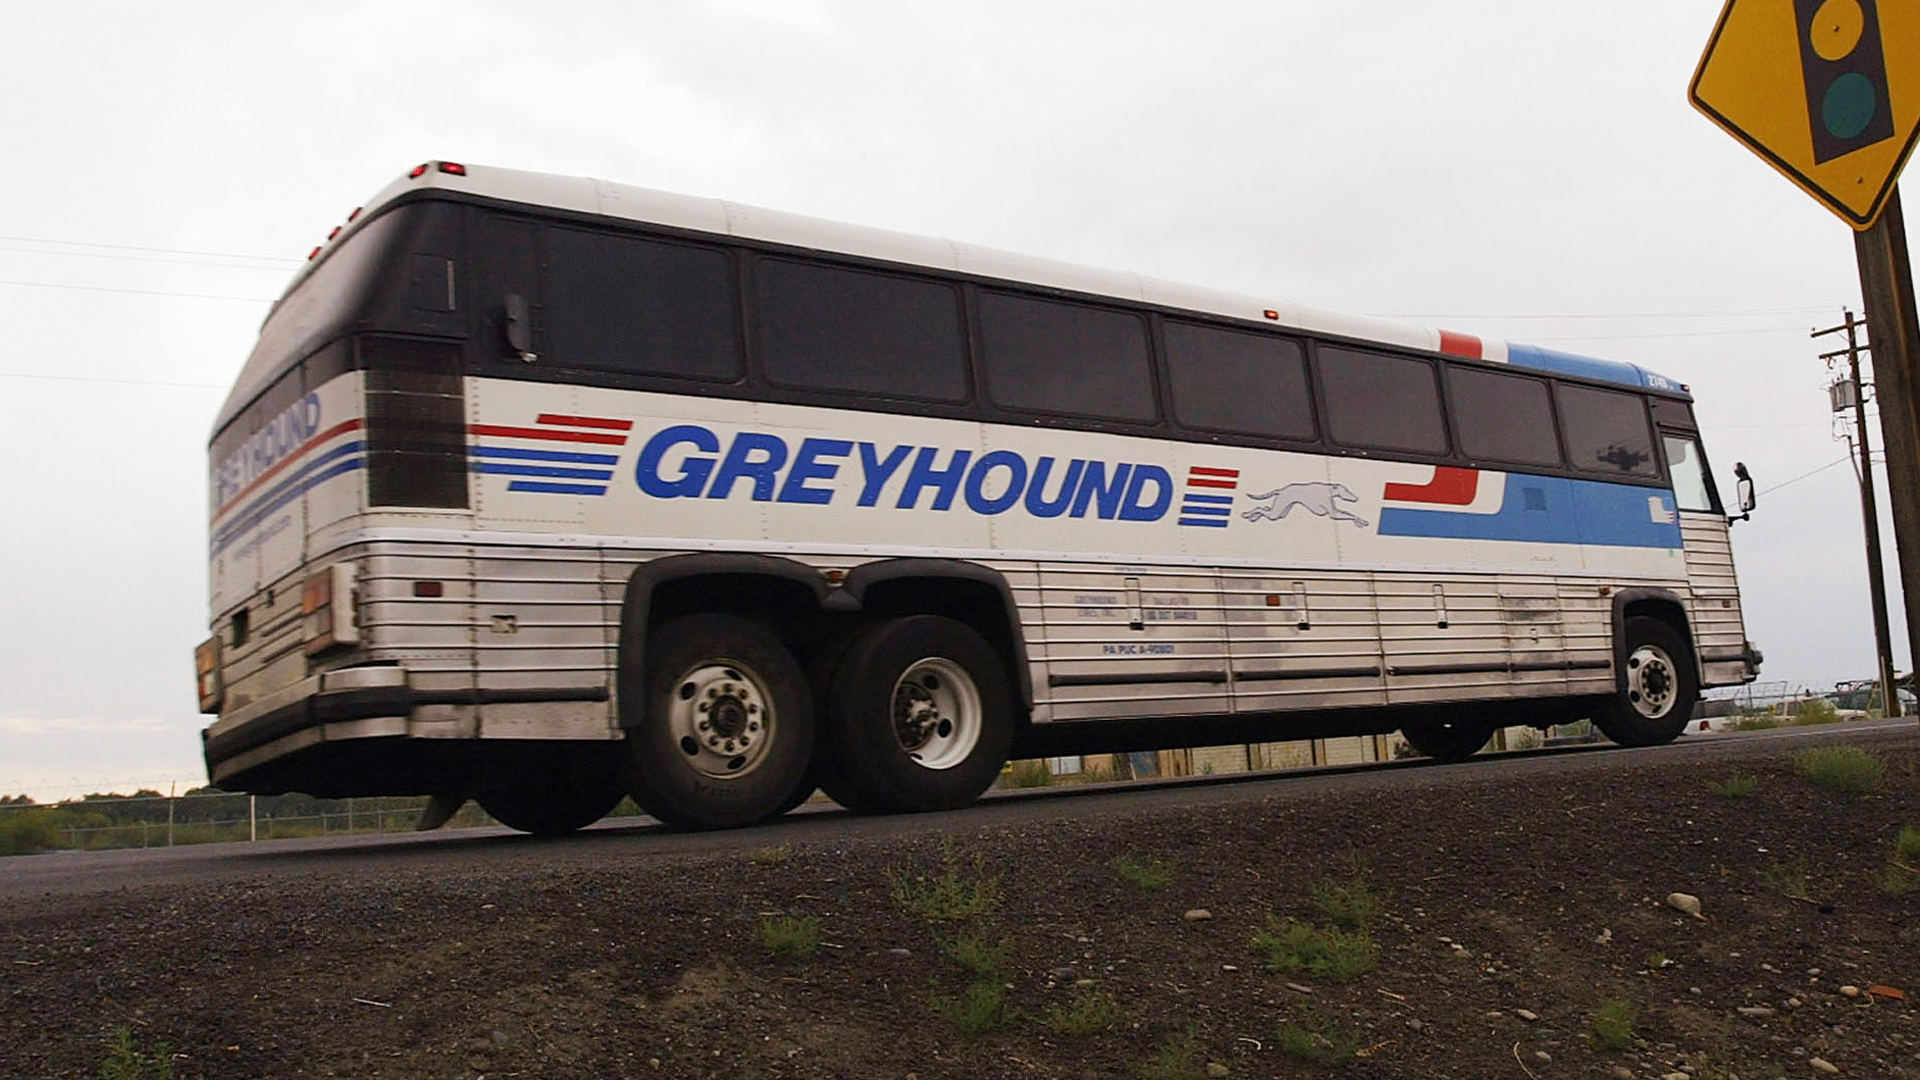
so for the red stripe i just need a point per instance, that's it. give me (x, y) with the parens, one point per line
(1201, 470)
(552, 436)
(1213, 483)
(1466, 345)
(342, 426)
(1450, 486)
(584, 421)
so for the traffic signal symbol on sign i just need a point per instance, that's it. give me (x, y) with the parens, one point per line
(1844, 67)
(1826, 91)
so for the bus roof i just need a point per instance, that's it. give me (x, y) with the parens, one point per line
(720, 217)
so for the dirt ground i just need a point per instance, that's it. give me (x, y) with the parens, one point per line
(1510, 911)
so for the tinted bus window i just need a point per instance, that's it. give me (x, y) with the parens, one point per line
(1500, 417)
(643, 307)
(1382, 402)
(1607, 431)
(836, 329)
(1670, 413)
(1050, 356)
(1227, 380)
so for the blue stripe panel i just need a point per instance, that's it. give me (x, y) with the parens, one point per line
(274, 493)
(1206, 511)
(1550, 510)
(557, 489)
(1566, 363)
(1195, 497)
(542, 455)
(1211, 523)
(259, 513)
(542, 470)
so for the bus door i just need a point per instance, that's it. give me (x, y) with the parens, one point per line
(1719, 632)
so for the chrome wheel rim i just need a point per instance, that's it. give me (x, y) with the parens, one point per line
(721, 717)
(1652, 681)
(936, 713)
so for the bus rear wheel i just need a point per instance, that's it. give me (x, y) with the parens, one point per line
(1659, 689)
(1450, 741)
(554, 791)
(727, 730)
(921, 717)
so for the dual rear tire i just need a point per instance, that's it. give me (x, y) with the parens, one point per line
(915, 714)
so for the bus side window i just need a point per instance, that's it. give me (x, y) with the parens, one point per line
(1686, 466)
(508, 264)
(1230, 380)
(833, 328)
(1607, 431)
(1057, 357)
(1502, 417)
(1382, 402)
(643, 307)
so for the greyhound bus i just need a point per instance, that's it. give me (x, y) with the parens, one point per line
(543, 491)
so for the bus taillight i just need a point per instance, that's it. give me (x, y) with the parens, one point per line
(206, 669)
(327, 605)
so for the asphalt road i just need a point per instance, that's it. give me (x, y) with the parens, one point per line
(52, 877)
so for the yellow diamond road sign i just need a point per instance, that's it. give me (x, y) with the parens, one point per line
(1827, 91)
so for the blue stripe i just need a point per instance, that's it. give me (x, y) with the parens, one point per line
(254, 517)
(273, 493)
(1211, 523)
(542, 455)
(542, 470)
(1207, 511)
(557, 489)
(1550, 510)
(1194, 497)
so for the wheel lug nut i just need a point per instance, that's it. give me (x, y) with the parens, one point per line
(754, 726)
(704, 725)
(713, 740)
(753, 708)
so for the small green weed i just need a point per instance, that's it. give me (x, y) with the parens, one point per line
(1349, 900)
(1088, 1013)
(789, 938)
(1027, 774)
(1292, 945)
(1179, 1057)
(126, 1061)
(1763, 722)
(1793, 880)
(1320, 1041)
(949, 895)
(981, 1009)
(1811, 711)
(1657, 961)
(1151, 873)
(974, 954)
(1734, 786)
(1846, 769)
(770, 856)
(1903, 869)
(1611, 1026)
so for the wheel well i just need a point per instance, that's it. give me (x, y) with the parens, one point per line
(1662, 606)
(781, 604)
(975, 603)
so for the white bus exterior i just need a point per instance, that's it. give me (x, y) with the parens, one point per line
(543, 490)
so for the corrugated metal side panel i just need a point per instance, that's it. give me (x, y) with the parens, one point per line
(1718, 628)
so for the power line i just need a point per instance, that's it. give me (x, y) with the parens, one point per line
(228, 265)
(1624, 314)
(153, 250)
(1674, 334)
(1804, 475)
(135, 292)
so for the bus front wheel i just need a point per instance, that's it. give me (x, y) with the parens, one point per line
(1658, 690)
(921, 716)
(728, 727)
(554, 791)
(1450, 741)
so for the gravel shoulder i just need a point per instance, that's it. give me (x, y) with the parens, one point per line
(1512, 905)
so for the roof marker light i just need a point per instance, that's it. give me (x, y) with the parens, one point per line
(335, 232)
(1271, 314)
(453, 168)
(416, 172)
(314, 254)
(356, 213)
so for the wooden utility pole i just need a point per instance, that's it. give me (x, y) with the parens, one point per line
(1893, 329)
(1869, 513)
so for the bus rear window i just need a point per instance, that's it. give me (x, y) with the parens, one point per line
(1058, 357)
(642, 307)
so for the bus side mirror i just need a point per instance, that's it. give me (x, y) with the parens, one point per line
(1743, 486)
(520, 327)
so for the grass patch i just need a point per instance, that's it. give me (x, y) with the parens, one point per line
(1027, 774)
(1611, 1026)
(1658, 960)
(29, 832)
(1319, 1041)
(1793, 880)
(949, 895)
(1734, 786)
(126, 1061)
(1295, 946)
(980, 1009)
(1179, 1057)
(1756, 723)
(974, 954)
(1903, 868)
(1349, 900)
(1088, 1013)
(789, 938)
(1152, 873)
(1811, 711)
(1846, 769)
(770, 856)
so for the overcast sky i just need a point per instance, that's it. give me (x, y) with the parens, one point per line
(1515, 168)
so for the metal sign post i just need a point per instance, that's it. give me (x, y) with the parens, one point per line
(1893, 333)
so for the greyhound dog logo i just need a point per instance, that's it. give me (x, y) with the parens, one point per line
(1318, 499)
